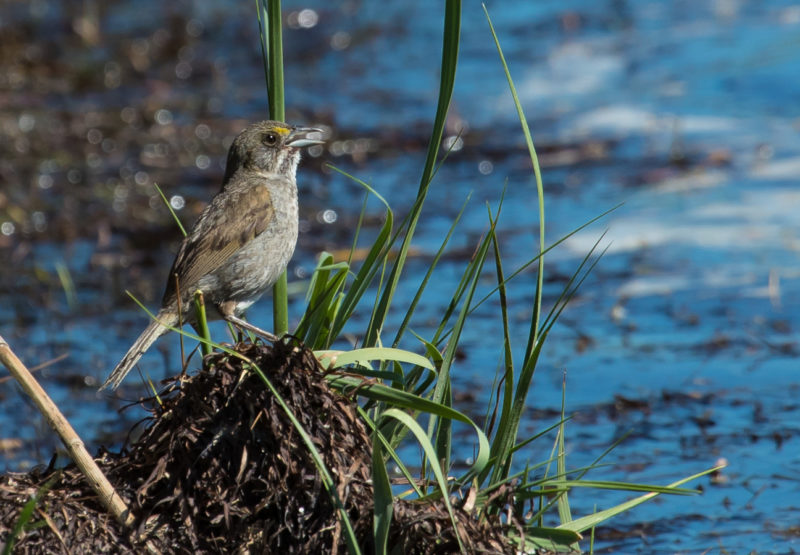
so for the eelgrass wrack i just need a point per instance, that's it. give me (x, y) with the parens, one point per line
(220, 468)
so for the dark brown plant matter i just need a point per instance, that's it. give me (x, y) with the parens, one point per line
(220, 468)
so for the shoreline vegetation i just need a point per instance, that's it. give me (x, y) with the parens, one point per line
(286, 447)
(220, 467)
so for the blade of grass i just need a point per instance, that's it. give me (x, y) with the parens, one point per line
(385, 444)
(564, 513)
(443, 335)
(202, 322)
(546, 540)
(431, 267)
(383, 500)
(536, 436)
(324, 302)
(442, 331)
(589, 521)
(412, 379)
(338, 359)
(508, 358)
(502, 446)
(557, 484)
(269, 16)
(169, 207)
(524, 266)
(508, 428)
(450, 44)
(275, 86)
(26, 514)
(398, 398)
(67, 284)
(430, 453)
(441, 392)
(373, 262)
(533, 338)
(177, 283)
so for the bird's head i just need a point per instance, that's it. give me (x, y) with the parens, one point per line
(270, 147)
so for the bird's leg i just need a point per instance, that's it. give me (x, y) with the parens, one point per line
(250, 327)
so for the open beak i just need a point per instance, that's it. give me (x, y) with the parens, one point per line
(304, 136)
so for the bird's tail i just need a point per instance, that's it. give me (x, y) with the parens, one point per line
(156, 329)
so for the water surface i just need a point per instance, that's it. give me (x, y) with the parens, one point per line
(685, 113)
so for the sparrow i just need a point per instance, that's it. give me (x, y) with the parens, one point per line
(242, 241)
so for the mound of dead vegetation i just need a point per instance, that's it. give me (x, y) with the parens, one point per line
(221, 468)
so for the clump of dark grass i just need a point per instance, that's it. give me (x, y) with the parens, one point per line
(221, 461)
(221, 466)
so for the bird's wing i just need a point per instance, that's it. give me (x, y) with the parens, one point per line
(232, 219)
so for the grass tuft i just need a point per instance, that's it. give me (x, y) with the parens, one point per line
(406, 397)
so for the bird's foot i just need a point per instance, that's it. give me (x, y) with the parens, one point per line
(238, 322)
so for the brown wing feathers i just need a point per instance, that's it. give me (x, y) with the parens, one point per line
(212, 241)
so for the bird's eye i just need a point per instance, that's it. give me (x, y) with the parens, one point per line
(270, 139)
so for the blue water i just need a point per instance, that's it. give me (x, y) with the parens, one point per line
(685, 113)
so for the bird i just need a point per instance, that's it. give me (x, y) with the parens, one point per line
(242, 241)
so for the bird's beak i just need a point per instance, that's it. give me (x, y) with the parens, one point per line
(304, 136)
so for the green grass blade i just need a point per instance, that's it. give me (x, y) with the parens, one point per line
(280, 305)
(545, 540)
(430, 453)
(441, 392)
(416, 374)
(536, 436)
(169, 207)
(431, 267)
(26, 514)
(596, 462)
(275, 87)
(202, 322)
(399, 398)
(533, 337)
(383, 499)
(262, 13)
(315, 294)
(374, 391)
(269, 17)
(359, 225)
(338, 359)
(525, 265)
(502, 446)
(508, 429)
(557, 484)
(441, 335)
(385, 444)
(590, 521)
(564, 512)
(67, 284)
(450, 44)
(442, 332)
(183, 233)
(508, 359)
(573, 285)
(324, 302)
(372, 264)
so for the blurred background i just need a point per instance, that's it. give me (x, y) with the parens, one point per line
(684, 338)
